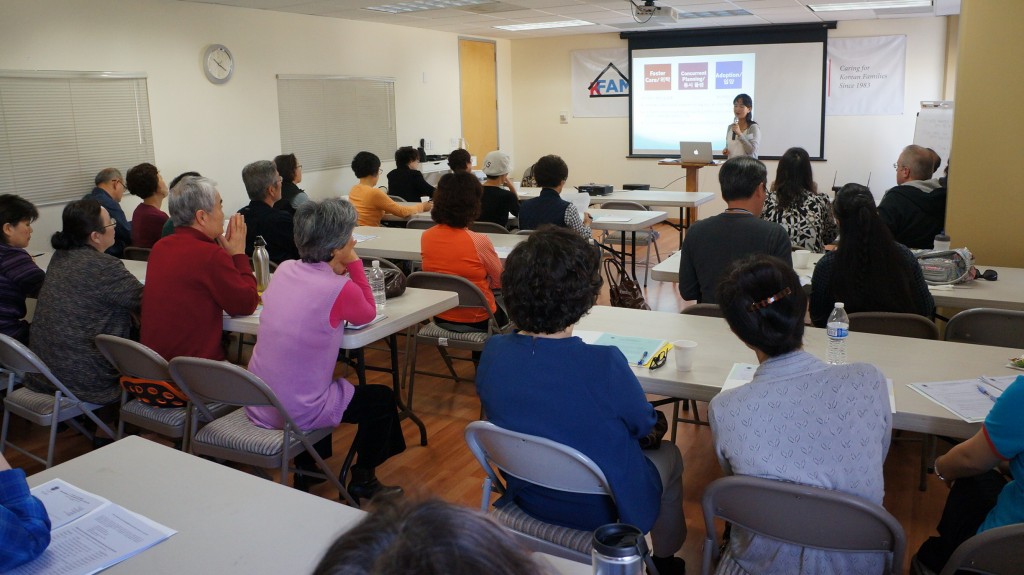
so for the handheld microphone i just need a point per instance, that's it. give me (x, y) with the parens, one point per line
(735, 121)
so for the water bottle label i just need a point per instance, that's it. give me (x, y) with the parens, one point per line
(838, 332)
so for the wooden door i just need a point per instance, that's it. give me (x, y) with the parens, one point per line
(479, 92)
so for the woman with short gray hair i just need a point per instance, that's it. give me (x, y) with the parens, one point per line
(305, 309)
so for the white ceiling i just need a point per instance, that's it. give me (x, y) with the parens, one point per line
(606, 15)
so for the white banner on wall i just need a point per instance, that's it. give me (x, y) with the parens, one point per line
(866, 76)
(600, 83)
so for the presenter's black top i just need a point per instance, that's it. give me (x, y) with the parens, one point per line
(408, 184)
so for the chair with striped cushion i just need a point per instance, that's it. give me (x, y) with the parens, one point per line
(541, 462)
(234, 437)
(470, 296)
(132, 359)
(43, 409)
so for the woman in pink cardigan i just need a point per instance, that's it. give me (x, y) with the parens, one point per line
(301, 328)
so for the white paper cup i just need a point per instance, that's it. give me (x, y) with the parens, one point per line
(800, 258)
(683, 351)
(424, 199)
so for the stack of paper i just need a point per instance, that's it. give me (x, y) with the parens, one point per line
(89, 533)
(968, 399)
(639, 351)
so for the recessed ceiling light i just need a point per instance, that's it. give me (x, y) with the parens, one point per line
(420, 5)
(870, 5)
(543, 25)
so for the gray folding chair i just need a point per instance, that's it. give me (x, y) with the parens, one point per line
(892, 323)
(398, 199)
(703, 309)
(488, 228)
(541, 462)
(234, 437)
(420, 224)
(470, 296)
(44, 409)
(800, 515)
(998, 551)
(137, 253)
(647, 237)
(987, 326)
(133, 359)
(522, 232)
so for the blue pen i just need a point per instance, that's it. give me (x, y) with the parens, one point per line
(986, 393)
(642, 358)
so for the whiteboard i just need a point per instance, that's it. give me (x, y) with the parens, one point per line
(934, 129)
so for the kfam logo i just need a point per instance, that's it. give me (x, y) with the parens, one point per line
(610, 86)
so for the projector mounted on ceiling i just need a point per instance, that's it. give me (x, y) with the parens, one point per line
(648, 11)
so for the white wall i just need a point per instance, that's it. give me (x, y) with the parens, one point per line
(218, 129)
(596, 148)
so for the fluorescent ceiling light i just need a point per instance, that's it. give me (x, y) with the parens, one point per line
(870, 5)
(420, 5)
(543, 25)
(713, 14)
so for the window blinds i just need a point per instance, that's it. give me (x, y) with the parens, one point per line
(58, 129)
(325, 121)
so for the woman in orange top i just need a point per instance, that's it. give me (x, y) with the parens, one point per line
(450, 248)
(372, 202)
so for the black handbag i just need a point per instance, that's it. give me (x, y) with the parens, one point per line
(622, 289)
(394, 283)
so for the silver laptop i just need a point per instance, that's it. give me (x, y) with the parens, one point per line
(695, 152)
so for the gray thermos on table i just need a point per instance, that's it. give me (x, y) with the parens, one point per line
(261, 264)
(620, 549)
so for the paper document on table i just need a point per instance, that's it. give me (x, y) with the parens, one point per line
(362, 238)
(376, 318)
(968, 399)
(91, 540)
(590, 337)
(740, 374)
(892, 395)
(611, 220)
(255, 314)
(503, 251)
(639, 351)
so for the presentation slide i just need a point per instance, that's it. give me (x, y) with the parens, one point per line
(686, 94)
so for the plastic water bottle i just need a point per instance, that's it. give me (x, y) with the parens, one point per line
(261, 264)
(838, 330)
(376, 277)
(941, 242)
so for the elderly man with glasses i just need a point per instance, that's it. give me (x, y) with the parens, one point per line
(263, 184)
(108, 192)
(915, 209)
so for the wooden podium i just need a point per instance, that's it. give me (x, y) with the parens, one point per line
(691, 171)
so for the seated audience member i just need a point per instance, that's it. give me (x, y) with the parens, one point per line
(711, 245)
(20, 277)
(914, 210)
(528, 180)
(868, 271)
(831, 416)
(292, 197)
(406, 180)
(195, 275)
(370, 201)
(24, 523)
(301, 329)
(428, 538)
(168, 228)
(548, 208)
(795, 204)
(499, 199)
(263, 185)
(526, 380)
(110, 188)
(980, 498)
(148, 220)
(460, 161)
(87, 292)
(451, 248)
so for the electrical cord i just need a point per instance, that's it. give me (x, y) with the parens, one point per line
(632, 11)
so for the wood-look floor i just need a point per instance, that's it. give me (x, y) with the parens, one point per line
(446, 469)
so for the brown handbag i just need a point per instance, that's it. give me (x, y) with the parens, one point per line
(622, 289)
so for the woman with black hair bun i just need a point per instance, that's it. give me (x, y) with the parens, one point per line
(798, 420)
(743, 135)
(794, 203)
(869, 270)
(87, 292)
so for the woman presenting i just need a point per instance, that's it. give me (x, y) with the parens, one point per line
(744, 135)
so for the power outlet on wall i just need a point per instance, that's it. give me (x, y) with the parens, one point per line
(428, 145)
(563, 117)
